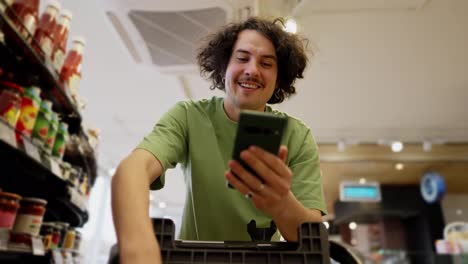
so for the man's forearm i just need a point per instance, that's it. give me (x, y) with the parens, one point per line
(294, 214)
(130, 208)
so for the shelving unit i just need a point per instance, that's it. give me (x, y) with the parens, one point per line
(26, 169)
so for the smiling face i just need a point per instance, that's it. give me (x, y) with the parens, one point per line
(250, 74)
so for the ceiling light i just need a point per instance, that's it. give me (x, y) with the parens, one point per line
(341, 145)
(459, 212)
(399, 166)
(362, 181)
(111, 171)
(427, 146)
(397, 146)
(327, 225)
(162, 205)
(291, 26)
(352, 225)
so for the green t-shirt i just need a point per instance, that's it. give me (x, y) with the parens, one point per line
(200, 136)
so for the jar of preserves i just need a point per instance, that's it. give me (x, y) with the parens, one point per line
(63, 228)
(30, 214)
(77, 244)
(55, 237)
(10, 102)
(60, 37)
(47, 233)
(69, 238)
(43, 35)
(24, 16)
(9, 205)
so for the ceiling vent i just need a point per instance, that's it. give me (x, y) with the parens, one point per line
(167, 34)
(172, 38)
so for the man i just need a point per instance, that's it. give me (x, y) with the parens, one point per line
(255, 62)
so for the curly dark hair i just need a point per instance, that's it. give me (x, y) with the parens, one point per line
(213, 57)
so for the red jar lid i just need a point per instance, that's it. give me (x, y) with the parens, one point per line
(34, 200)
(12, 86)
(12, 196)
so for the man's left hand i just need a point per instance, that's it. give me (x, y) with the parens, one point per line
(269, 190)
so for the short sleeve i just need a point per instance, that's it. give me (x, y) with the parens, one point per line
(168, 141)
(306, 183)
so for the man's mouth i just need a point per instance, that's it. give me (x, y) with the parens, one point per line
(249, 85)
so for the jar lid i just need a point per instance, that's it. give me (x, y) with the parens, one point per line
(34, 200)
(12, 86)
(67, 13)
(49, 224)
(10, 195)
(54, 3)
(62, 224)
(46, 104)
(79, 39)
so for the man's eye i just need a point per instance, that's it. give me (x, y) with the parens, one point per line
(266, 64)
(242, 59)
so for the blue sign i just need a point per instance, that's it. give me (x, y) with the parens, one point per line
(360, 192)
(432, 187)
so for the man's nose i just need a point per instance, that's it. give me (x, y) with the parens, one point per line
(252, 69)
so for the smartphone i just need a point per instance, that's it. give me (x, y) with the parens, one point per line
(264, 130)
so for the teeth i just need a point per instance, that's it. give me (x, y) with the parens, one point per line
(250, 86)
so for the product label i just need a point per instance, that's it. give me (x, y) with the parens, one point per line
(73, 83)
(29, 224)
(28, 116)
(46, 46)
(37, 246)
(58, 59)
(7, 134)
(41, 127)
(31, 150)
(10, 113)
(7, 219)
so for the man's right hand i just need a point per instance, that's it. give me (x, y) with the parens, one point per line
(130, 208)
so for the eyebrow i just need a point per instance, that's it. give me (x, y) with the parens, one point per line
(268, 56)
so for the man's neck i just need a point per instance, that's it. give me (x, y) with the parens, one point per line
(233, 112)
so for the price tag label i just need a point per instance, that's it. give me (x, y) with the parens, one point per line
(68, 259)
(57, 256)
(31, 150)
(37, 246)
(4, 237)
(55, 167)
(7, 134)
(77, 199)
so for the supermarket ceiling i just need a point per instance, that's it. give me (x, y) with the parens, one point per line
(382, 70)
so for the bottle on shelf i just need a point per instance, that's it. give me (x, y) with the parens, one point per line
(24, 15)
(41, 127)
(61, 140)
(60, 37)
(71, 69)
(52, 133)
(10, 101)
(43, 34)
(30, 105)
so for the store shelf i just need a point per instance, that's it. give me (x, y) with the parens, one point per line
(31, 69)
(35, 70)
(55, 256)
(30, 172)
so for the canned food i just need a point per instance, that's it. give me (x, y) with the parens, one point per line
(30, 214)
(9, 204)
